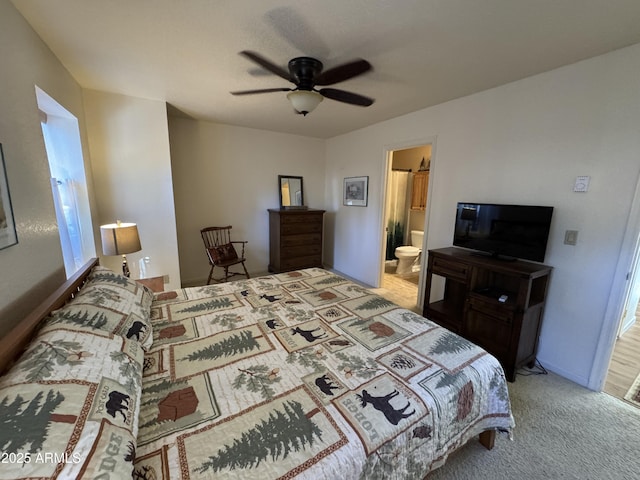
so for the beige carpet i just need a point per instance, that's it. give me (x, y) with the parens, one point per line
(563, 431)
(633, 395)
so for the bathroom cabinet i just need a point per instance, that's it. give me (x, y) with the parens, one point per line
(494, 303)
(295, 239)
(419, 190)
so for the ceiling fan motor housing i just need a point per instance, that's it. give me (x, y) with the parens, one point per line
(303, 71)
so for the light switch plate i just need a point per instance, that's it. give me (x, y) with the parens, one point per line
(570, 237)
(582, 183)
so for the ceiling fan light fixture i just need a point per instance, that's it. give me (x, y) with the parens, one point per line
(304, 101)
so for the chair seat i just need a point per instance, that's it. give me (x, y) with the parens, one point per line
(228, 263)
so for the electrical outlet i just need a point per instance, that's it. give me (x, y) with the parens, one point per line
(571, 237)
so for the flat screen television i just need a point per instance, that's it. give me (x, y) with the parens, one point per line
(504, 231)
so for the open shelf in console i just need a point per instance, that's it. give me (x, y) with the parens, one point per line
(448, 309)
(538, 290)
(496, 295)
(523, 288)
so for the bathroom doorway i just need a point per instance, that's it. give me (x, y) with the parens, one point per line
(404, 223)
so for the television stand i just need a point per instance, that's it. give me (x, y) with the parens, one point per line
(495, 304)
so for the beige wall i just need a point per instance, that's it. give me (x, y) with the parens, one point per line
(410, 158)
(129, 145)
(34, 267)
(226, 175)
(524, 142)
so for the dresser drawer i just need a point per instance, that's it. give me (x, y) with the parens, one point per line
(450, 268)
(296, 228)
(294, 263)
(301, 239)
(301, 218)
(301, 250)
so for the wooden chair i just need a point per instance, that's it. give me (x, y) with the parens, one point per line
(221, 252)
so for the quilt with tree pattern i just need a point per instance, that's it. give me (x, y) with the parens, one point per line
(306, 374)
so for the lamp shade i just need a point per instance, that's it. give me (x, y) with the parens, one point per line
(304, 101)
(120, 238)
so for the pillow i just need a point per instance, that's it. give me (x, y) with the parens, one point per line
(223, 253)
(140, 296)
(69, 408)
(109, 302)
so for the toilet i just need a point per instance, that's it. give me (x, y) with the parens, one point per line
(407, 255)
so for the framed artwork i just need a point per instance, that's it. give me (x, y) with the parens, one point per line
(8, 234)
(356, 191)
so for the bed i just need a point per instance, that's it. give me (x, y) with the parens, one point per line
(301, 374)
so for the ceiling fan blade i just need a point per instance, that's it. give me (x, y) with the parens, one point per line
(262, 90)
(343, 72)
(346, 97)
(266, 64)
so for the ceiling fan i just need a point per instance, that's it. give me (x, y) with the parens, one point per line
(306, 73)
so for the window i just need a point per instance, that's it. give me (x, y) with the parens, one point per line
(68, 182)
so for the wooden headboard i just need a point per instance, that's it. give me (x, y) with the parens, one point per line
(13, 344)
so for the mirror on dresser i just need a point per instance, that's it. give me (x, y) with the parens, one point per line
(291, 192)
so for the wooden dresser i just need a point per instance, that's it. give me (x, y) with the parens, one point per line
(295, 239)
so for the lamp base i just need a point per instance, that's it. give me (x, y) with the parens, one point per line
(125, 267)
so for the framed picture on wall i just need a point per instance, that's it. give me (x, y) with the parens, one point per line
(356, 191)
(8, 234)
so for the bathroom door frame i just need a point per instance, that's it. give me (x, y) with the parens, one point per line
(386, 172)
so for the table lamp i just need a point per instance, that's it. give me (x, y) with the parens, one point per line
(119, 239)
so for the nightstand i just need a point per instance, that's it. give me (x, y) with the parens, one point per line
(156, 284)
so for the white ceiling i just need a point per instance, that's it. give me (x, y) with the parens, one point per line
(423, 52)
